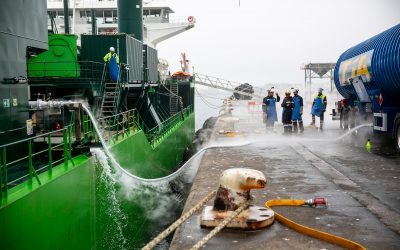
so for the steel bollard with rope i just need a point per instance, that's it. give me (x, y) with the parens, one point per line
(232, 209)
(177, 223)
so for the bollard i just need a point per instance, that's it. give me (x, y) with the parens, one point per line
(233, 191)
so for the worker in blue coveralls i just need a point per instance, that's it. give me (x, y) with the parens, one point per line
(287, 109)
(270, 108)
(297, 112)
(319, 108)
(113, 60)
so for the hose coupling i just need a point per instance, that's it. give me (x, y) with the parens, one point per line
(317, 202)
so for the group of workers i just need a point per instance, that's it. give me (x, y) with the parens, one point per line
(292, 110)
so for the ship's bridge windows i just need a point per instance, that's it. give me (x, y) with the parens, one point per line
(84, 14)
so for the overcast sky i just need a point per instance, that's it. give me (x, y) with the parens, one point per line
(265, 41)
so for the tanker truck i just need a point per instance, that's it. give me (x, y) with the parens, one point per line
(368, 77)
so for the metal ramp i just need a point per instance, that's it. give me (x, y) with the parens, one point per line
(173, 98)
(223, 84)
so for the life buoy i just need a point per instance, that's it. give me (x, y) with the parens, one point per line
(190, 18)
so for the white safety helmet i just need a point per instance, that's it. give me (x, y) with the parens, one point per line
(112, 49)
(295, 91)
(288, 92)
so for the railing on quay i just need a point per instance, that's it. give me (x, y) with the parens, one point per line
(28, 159)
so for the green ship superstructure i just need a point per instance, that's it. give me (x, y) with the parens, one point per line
(53, 193)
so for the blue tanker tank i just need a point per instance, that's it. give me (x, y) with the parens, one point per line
(371, 68)
(368, 77)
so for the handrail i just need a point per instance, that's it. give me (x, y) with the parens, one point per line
(117, 92)
(31, 138)
(157, 134)
(112, 116)
(28, 159)
(119, 124)
(102, 87)
(59, 70)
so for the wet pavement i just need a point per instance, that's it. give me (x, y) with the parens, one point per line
(362, 188)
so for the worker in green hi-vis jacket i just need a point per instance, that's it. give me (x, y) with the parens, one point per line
(111, 54)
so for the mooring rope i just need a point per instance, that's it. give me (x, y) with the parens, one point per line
(177, 223)
(225, 222)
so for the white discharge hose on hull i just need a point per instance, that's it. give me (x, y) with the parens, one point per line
(140, 179)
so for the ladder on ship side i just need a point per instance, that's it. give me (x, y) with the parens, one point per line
(111, 96)
(109, 103)
(173, 99)
(218, 83)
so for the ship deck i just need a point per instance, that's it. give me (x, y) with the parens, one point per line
(362, 188)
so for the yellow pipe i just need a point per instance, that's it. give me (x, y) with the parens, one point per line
(310, 231)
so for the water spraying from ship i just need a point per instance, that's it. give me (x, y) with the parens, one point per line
(351, 131)
(113, 210)
(157, 181)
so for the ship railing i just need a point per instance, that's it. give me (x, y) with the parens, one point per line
(61, 70)
(36, 155)
(121, 125)
(157, 134)
(116, 127)
(182, 20)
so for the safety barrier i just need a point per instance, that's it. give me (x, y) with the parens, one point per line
(122, 124)
(119, 125)
(43, 145)
(87, 70)
(157, 134)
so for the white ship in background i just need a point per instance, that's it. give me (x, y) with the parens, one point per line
(159, 24)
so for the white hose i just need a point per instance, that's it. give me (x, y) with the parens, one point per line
(137, 178)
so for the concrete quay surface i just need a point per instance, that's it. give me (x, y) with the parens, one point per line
(362, 188)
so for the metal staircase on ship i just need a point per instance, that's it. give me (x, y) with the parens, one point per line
(111, 94)
(174, 98)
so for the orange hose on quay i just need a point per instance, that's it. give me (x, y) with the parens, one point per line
(310, 231)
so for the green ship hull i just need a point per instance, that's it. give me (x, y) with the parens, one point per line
(71, 208)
